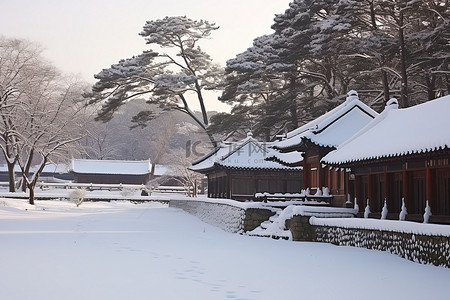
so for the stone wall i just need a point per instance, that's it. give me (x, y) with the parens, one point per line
(301, 229)
(236, 219)
(255, 216)
(419, 248)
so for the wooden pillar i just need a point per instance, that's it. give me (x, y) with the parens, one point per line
(370, 190)
(211, 187)
(228, 186)
(216, 187)
(431, 186)
(406, 193)
(386, 193)
(321, 173)
(305, 174)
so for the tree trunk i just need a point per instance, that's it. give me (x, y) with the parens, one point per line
(152, 171)
(385, 86)
(31, 195)
(448, 83)
(203, 125)
(26, 171)
(404, 83)
(431, 86)
(32, 184)
(202, 103)
(292, 102)
(372, 15)
(11, 175)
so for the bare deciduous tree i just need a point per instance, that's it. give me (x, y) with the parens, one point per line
(43, 114)
(20, 63)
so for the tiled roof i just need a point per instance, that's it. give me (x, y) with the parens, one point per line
(121, 167)
(396, 132)
(245, 154)
(334, 127)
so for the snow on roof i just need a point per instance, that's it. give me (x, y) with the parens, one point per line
(4, 168)
(395, 132)
(289, 158)
(245, 154)
(161, 170)
(122, 167)
(54, 168)
(334, 127)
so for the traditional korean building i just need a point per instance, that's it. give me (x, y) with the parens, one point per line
(322, 135)
(402, 154)
(110, 171)
(240, 170)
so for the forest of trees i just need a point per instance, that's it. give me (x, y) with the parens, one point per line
(316, 53)
(319, 50)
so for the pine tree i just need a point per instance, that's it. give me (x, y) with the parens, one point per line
(166, 77)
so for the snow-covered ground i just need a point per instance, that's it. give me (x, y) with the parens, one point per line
(120, 250)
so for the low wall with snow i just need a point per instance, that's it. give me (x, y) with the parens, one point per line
(229, 215)
(423, 243)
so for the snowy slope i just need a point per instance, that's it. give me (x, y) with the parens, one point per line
(120, 250)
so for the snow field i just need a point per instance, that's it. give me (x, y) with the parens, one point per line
(120, 250)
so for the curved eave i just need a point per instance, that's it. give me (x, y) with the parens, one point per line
(287, 169)
(284, 163)
(112, 173)
(307, 143)
(206, 156)
(380, 158)
(202, 171)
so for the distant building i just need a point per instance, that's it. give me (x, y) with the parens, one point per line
(51, 172)
(402, 154)
(110, 171)
(55, 172)
(241, 169)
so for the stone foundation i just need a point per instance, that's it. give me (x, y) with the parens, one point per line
(239, 219)
(415, 247)
(255, 216)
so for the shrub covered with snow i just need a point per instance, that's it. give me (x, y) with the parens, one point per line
(77, 196)
(127, 191)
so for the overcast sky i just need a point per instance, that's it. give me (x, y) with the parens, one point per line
(85, 36)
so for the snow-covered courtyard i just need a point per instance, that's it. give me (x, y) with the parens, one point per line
(121, 250)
